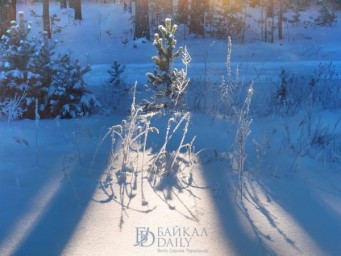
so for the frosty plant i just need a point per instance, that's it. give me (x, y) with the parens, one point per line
(132, 137)
(180, 80)
(170, 171)
(316, 139)
(230, 86)
(164, 163)
(12, 107)
(129, 160)
(54, 22)
(239, 155)
(169, 84)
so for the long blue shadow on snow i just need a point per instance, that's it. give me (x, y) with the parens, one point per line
(215, 172)
(322, 224)
(233, 230)
(53, 231)
(232, 215)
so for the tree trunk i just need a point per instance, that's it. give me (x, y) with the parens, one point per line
(13, 12)
(170, 7)
(63, 4)
(183, 11)
(78, 9)
(142, 19)
(72, 3)
(197, 22)
(280, 20)
(46, 17)
(273, 30)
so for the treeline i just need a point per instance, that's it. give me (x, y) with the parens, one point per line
(223, 18)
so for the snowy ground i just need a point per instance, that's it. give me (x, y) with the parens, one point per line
(51, 201)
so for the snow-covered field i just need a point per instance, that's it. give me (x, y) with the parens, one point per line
(56, 198)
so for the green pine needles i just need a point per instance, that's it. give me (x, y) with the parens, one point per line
(169, 84)
(166, 53)
(162, 78)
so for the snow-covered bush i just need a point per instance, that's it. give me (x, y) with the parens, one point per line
(315, 133)
(29, 65)
(322, 89)
(326, 17)
(68, 97)
(15, 61)
(325, 86)
(316, 138)
(289, 95)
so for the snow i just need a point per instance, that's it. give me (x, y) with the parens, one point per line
(51, 199)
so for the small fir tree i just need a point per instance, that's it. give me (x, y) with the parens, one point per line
(116, 88)
(28, 66)
(67, 94)
(162, 78)
(16, 77)
(42, 65)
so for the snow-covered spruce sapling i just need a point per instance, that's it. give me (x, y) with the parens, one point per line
(29, 64)
(68, 96)
(42, 64)
(163, 75)
(16, 50)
